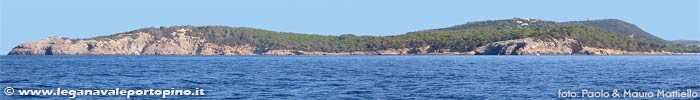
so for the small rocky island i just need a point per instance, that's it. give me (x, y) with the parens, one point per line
(517, 36)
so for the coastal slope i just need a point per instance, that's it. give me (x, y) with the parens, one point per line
(515, 36)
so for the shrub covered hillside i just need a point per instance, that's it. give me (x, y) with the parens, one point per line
(460, 38)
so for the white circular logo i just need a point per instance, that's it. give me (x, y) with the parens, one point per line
(9, 91)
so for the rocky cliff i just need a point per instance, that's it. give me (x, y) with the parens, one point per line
(566, 46)
(131, 44)
(141, 43)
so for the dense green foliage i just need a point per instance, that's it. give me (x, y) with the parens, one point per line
(500, 24)
(614, 25)
(618, 26)
(586, 36)
(460, 38)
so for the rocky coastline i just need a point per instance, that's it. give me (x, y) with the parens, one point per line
(182, 44)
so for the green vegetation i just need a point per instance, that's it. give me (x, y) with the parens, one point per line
(618, 26)
(500, 24)
(460, 38)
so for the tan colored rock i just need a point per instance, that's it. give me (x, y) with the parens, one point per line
(215, 49)
(530, 46)
(603, 51)
(282, 52)
(131, 44)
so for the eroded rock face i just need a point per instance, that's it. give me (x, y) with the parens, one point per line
(530, 46)
(601, 51)
(131, 44)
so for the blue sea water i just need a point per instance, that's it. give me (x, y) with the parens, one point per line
(350, 77)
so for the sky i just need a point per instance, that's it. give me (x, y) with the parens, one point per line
(32, 20)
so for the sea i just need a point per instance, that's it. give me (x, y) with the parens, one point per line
(412, 77)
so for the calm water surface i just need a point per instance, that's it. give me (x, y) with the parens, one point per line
(350, 77)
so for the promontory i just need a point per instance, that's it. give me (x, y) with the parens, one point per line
(517, 36)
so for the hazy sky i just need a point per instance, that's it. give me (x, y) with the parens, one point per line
(31, 20)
